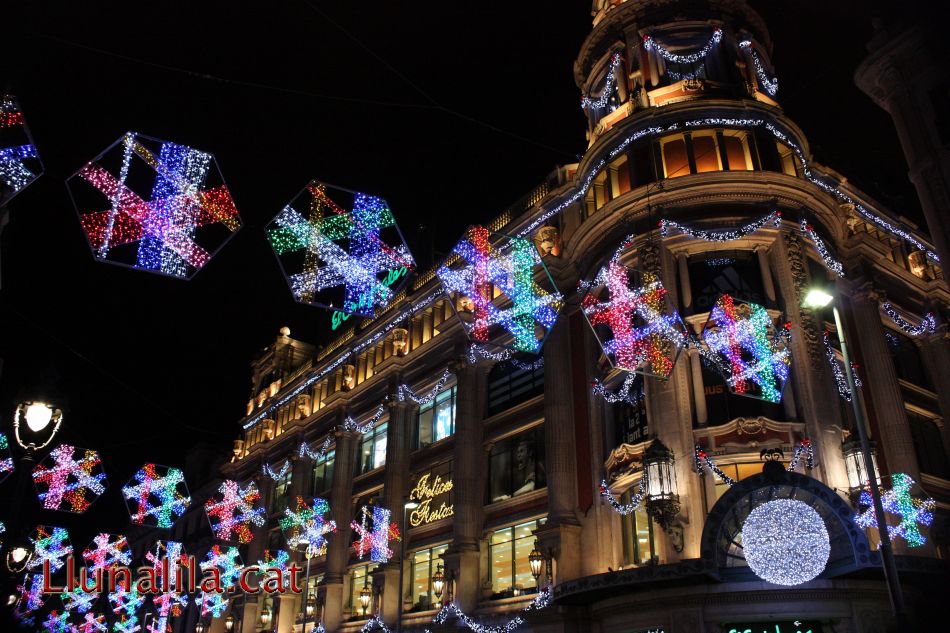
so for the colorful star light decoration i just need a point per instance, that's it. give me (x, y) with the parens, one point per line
(78, 600)
(212, 603)
(280, 559)
(31, 596)
(91, 623)
(647, 334)
(49, 544)
(19, 162)
(156, 495)
(753, 356)
(175, 227)
(233, 510)
(125, 604)
(480, 268)
(375, 540)
(227, 561)
(344, 257)
(107, 551)
(6, 460)
(167, 603)
(898, 501)
(69, 479)
(306, 527)
(57, 622)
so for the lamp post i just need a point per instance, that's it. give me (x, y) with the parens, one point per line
(309, 552)
(536, 563)
(406, 507)
(819, 298)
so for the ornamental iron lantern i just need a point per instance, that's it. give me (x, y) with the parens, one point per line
(38, 416)
(536, 562)
(662, 500)
(366, 595)
(200, 627)
(311, 605)
(265, 617)
(438, 581)
(229, 623)
(858, 477)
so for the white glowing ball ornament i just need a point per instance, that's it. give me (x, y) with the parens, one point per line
(785, 542)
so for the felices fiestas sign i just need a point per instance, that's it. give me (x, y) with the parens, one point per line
(433, 496)
(392, 277)
(796, 626)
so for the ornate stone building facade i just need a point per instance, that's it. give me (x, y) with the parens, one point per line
(685, 129)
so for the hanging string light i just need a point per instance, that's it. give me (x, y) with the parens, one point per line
(350, 424)
(233, 509)
(285, 468)
(650, 44)
(476, 351)
(158, 497)
(830, 262)
(769, 84)
(624, 508)
(607, 90)
(841, 381)
(703, 462)
(19, 161)
(306, 451)
(69, 479)
(928, 324)
(404, 392)
(545, 596)
(803, 448)
(898, 501)
(623, 394)
(723, 235)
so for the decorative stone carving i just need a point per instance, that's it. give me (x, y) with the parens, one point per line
(548, 241)
(400, 341)
(796, 261)
(750, 426)
(349, 377)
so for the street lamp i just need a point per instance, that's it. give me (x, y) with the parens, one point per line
(311, 605)
(820, 298)
(38, 416)
(662, 500)
(265, 616)
(365, 594)
(536, 562)
(200, 627)
(229, 623)
(17, 558)
(438, 582)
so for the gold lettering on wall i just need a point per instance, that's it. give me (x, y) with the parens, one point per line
(425, 492)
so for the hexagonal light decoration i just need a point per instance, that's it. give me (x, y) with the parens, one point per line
(156, 495)
(20, 163)
(6, 459)
(501, 290)
(633, 319)
(154, 205)
(340, 249)
(750, 352)
(69, 479)
(49, 544)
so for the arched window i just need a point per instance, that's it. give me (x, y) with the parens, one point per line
(735, 273)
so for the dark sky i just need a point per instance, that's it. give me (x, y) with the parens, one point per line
(449, 113)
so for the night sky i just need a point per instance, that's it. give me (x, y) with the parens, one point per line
(448, 113)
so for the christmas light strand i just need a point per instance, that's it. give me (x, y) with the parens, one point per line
(702, 462)
(69, 479)
(899, 501)
(622, 394)
(375, 623)
(306, 452)
(609, 83)
(233, 510)
(19, 161)
(350, 423)
(306, 528)
(841, 380)
(928, 324)
(545, 596)
(285, 468)
(624, 508)
(650, 44)
(375, 539)
(476, 351)
(159, 496)
(404, 392)
(49, 544)
(6, 460)
(107, 551)
(803, 448)
(723, 235)
(768, 84)
(830, 262)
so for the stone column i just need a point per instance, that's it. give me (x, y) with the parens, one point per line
(338, 548)
(468, 490)
(766, 271)
(935, 351)
(699, 393)
(396, 485)
(682, 262)
(881, 388)
(561, 533)
(286, 608)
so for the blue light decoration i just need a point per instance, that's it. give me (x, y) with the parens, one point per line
(345, 260)
(746, 347)
(20, 163)
(228, 563)
(156, 495)
(306, 528)
(169, 603)
(30, 596)
(57, 622)
(78, 600)
(69, 479)
(126, 602)
(49, 544)
(375, 535)
(168, 209)
(6, 460)
(898, 501)
(524, 316)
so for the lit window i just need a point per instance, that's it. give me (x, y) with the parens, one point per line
(436, 419)
(278, 498)
(675, 161)
(510, 569)
(423, 565)
(638, 545)
(359, 578)
(706, 153)
(373, 448)
(736, 145)
(323, 474)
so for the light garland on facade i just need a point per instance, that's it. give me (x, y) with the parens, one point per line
(375, 539)
(350, 424)
(510, 269)
(49, 544)
(785, 542)
(349, 245)
(841, 380)
(306, 528)
(545, 596)
(928, 324)
(650, 44)
(609, 82)
(830, 262)
(107, 551)
(404, 392)
(743, 336)
(719, 262)
(898, 501)
(72, 481)
(375, 623)
(476, 351)
(232, 511)
(624, 508)
(622, 394)
(165, 224)
(306, 452)
(770, 85)
(159, 497)
(702, 462)
(285, 468)
(19, 161)
(804, 448)
(723, 235)
(6, 460)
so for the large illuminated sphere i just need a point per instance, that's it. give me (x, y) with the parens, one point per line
(785, 542)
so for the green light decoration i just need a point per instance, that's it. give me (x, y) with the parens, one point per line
(898, 501)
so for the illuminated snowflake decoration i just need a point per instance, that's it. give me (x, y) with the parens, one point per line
(374, 533)
(31, 596)
(49, 544)
(154, 205)
(126, 624)
(78, 600)
(107, 551)
(91, 623)
(279, 559)
(745, 346)
(346, 253)
(228, 563)
(6, 460)
(126, 602)
(646, 334)
(306, 527)
(156, 495)
(785, 542)
(167, 603)
(19, 162)
(57, 622)
(69, 479)
(523, 316)
(212, 603)
(233, 510)
(898, 501)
